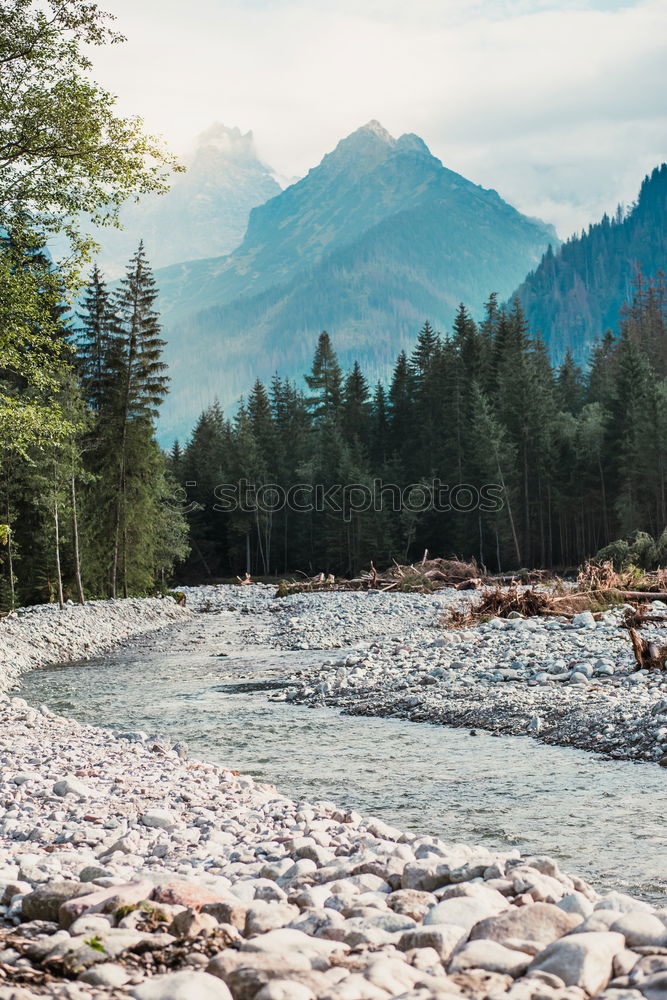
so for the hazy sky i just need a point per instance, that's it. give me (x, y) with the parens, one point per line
(559, 106)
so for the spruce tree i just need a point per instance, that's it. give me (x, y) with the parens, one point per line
(295, 439)
(570, 385)
(325, 381)
(401, 414)
(135, 360)
(380, 438)
(355, 410)
(426, 349)
(634, 459)
(206, 465)
(98, 326)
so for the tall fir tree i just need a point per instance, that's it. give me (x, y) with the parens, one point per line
(325, 381)
(138, 387)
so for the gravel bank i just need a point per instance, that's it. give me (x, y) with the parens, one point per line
(328, 620)
(570, 683)
(127, 870)
(43, 635)
(562, 684)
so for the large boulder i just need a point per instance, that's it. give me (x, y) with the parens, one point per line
(442, 938)
(105, 900)
(538, 922)
(466, 911)
(45, 903)
(490, 955)
(584, 960)
(641, 929)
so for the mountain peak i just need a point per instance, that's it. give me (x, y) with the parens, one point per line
(231, 142)
(205, 213)
(374, 144)
(366, 148)
(374, 127)
(374, 238)
(414, 142)
(370, 135)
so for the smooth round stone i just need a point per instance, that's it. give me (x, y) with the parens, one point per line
(105, 974)
(182, 986)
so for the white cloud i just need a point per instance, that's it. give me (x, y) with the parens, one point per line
(559, 106)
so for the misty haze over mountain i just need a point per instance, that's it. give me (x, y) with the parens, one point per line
(372, 241)
(204, 214)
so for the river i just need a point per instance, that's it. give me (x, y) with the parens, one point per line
(603, 820)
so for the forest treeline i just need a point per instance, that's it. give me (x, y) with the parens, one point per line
(579, 458)
(85, 507)
(478, 446)
(82, 479)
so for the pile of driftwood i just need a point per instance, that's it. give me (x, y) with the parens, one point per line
(598, 587)
(422, 577)
(632, 584)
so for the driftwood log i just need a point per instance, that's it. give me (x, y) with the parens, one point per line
(649, 655)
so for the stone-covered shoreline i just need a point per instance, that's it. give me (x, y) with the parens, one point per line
(43, 635)
(127, 870)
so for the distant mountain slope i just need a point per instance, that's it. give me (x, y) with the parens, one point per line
(371, 242)
(577, 293)
(204, 214)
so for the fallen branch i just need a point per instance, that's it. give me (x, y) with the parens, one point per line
(643, 595)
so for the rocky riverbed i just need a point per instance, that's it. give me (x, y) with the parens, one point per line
(571, 683)
(566, 682)
(127, 869)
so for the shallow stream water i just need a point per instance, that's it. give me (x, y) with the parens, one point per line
(604, 820)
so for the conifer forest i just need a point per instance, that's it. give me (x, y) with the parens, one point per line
(477, 446)
(577, 458)
(485, 441)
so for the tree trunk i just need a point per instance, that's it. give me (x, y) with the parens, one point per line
(649, 655)
(199, 552)
(75, 544)
(56, 526)
(266, 545)
(550, 529)
(509, 509)
(259, 542)
(481, 540)
(124, 550)
(125, 414)
(119, 509)
(10, 558)
(603, 491)
(526, 501)
(285, 542)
